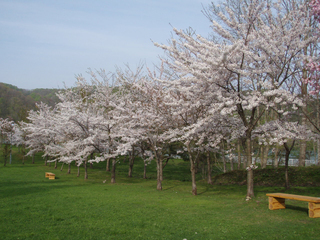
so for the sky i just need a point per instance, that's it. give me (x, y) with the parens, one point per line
(46, 43)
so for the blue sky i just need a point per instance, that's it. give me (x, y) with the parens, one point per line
(45, 43)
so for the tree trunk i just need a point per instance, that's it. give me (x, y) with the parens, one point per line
(230, 158)
(159, 171)
(78, 175)
(55, 164)
(113, 171)
(131, 162)
(239, 155)
(85, 169)
(193, 173)
(286, 164)
(303, 143)
(91, 157)
(46, 160)
(314, 150)
(32, 158)
(245, 163)
(231, 163)
(262, 160)
(209, 168)
(193, 167)
(159, 184)
(69, 168)
(265, 156)
(223, 158)
(276, 160)
(286, 170)
(250, 192)
(108, 165)
(145, 170)
(318, 125)
(6, 153)
(304, 92)
(302, 155)
(61, 167)
(193, 177)
(318, 151)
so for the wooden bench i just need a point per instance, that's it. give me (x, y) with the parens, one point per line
(50, 175)
(277, 201)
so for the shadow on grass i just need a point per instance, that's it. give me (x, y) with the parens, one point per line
(130, 180)
(301, 209)
(15, 189)
(204, 191)
(167, 188)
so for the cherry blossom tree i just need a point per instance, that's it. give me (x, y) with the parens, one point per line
(146, 118)
(86, 123)
(6, 135)
(198, 130)
(39, 130)
(283, 132)
(309, 81)
(19, 139)
(248, 64)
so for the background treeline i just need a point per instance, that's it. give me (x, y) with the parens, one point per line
(15, 102)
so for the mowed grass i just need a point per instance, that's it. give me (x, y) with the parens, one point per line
(69, 207)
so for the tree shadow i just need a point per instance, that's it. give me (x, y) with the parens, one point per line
(15, 189)
(203, 191)
(167, 188)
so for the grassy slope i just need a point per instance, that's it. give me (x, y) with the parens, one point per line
(298, 176)
(33, 207)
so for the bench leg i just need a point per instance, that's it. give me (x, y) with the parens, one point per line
(314, 210)
(276, 203)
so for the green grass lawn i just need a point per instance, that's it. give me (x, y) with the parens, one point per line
(69, 207)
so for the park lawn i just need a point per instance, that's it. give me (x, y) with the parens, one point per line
(69, 207)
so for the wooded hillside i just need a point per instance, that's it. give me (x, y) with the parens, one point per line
(15, 103)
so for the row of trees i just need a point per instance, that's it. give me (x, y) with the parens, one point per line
(244, 84)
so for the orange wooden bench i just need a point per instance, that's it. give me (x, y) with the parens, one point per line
(50, 175)
(277, 201)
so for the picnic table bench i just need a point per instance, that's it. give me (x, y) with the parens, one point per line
(277, 201)
(50, 175)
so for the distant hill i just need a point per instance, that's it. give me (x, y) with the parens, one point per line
(15, 102)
